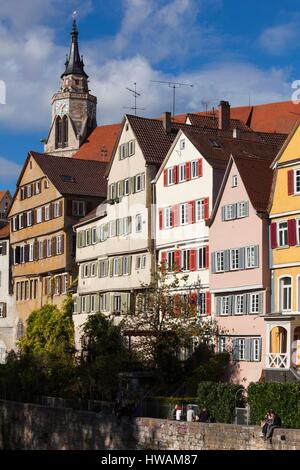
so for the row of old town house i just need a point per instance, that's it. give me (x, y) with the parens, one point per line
(212, 195)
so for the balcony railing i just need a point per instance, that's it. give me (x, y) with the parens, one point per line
(277, 360)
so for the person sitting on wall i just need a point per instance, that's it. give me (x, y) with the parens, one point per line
(204, 416)
(275, 423)
(265, 423)
(178, 411)
(190, 414)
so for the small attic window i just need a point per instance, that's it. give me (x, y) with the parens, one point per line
(234, 181)
(182, 144)
(215, 144)
(68, 179)
(30, 164)
(127, 127)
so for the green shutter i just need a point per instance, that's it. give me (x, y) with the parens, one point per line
(132, 184)
(111, 266)
(124, 303)
(97, 302)
(120, 266)
(88, 303)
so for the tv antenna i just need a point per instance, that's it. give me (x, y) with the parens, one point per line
(173, 85)
(135, 96)
(206, 103)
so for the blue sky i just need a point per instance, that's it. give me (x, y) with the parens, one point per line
(228, 49)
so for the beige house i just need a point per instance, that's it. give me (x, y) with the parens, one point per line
(52, 194)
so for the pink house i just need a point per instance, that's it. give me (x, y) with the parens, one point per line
(239, 269)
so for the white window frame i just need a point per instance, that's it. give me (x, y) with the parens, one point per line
(37, 187)
(239, 304)
(222, 344)
(220, 261)
(115, 267)
(94, 235)
(47, 212)
(78, 208)
(254, 302)
(126, 187)
(93, 269)
(56, 209)
(250, 257)
(125, 266)
(144, 261)
(58, 244)
(138, 183)
(31, 251)
(49, 247)
(21, 221)
(234, 181)
(117, 304)
(183, 213)
(256, 344)
(194, 169)
(182, 144)
(41, 249)
(39, 215)
(181, 173)
(234, 259)
(297, 181)
(199, 210)
(138, 223)
(103, 303)
(282, 233)
(170, 175)
(241, 345)
(167, 217)
(289, 289)
(185, 260)
(241, 209)
(170, 257)
(93, 303)
(229, 214)
(29, 218)
(202, 250)
(138, 263)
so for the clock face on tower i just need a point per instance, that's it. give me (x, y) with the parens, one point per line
(61, 107)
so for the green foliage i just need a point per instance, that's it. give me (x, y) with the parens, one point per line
(283, 398)
(220, 400)
(215, 369)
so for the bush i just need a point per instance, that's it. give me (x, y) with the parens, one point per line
(220, 399)
(284, 398)
(215, 369)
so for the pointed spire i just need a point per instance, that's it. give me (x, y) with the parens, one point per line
(74, 63)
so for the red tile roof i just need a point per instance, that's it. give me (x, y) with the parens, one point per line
(87, 176)
(3, 193)
(4, 231)
(212, 122)
(99, 145)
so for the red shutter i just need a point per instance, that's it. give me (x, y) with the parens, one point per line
(208, 303)
(292, 236)
(193, 260)
(160, 212)
(175, 216)
(200, 168)
(206, 208)
(207, 256)
(188, 171)
(165, 177)
(273, 235)
(175, 169)
(191, 212)
(163, 261)
(177, 260)
(291, 182)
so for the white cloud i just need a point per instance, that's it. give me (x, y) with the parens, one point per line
(277, 39)
(9, 172)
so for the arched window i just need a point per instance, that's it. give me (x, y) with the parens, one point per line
(65, 131)
(58, 132)
(285, 284)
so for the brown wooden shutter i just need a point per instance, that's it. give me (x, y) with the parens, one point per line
(53, 243)
(44, 248)
(60, 208)
(36, 250)
(62, 244)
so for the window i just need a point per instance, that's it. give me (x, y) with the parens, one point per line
(182, 144)
(195, 169)
(115, 266)
(93, 303)
(64, 283)
(37, 187)
(88, 237)
(93, 269)
(182, 175)
(78, 208)
(31, 251)
(112, 228)
(241, 210)
(57, 280)
(15, 224)
(39, 215)
(138, 183)
(168, 217)
(138, 263)
(126, 265)
(254, 303)
(113, 191)
(86, 270)
(103, 303)
(283, 234)
(219, 261)
(229, 212)
(59, 245)
(29, 218)
(94, 235)
(251, 257)
(183, 213)
(41, 249)
(239, 304)
(170, 260)
(297, 181)
(117, 305)
(126, 187)
(21, 221)
(56, 209)
(144, 261)
(131, 148)
(285, 294)
(49, 246)
(234, 181)
(22, 254)
(103, 268)
(185, 260)
(201, 304)
(199, 208)
(201, 258)
(241, 344)
(47, 212)
(234, 259)
(256, 349)
(46, 183)
(138, 223)
(222, 344)
(170, 172)
(225, 306)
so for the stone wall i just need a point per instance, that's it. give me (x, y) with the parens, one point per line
(27, 426)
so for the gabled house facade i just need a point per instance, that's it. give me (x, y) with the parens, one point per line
(282, 360)
(239, 269)
(8, 325)
(52, 194)
(5, 201)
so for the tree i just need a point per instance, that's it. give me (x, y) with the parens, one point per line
(103, 357)
(165, 322)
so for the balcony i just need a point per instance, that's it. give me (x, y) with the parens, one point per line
(277, 361)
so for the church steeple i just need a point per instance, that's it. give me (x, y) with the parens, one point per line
(74, 63)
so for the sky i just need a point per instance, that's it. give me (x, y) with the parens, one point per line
(240, 51)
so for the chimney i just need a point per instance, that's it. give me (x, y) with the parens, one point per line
(167, 123)
(224, 115)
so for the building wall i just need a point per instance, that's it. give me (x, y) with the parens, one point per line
(7, 323)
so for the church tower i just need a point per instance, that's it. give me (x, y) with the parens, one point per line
(73, 107)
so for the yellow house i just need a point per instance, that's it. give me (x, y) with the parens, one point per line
(283, 323)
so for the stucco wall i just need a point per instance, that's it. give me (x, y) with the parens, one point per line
(24, 426)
